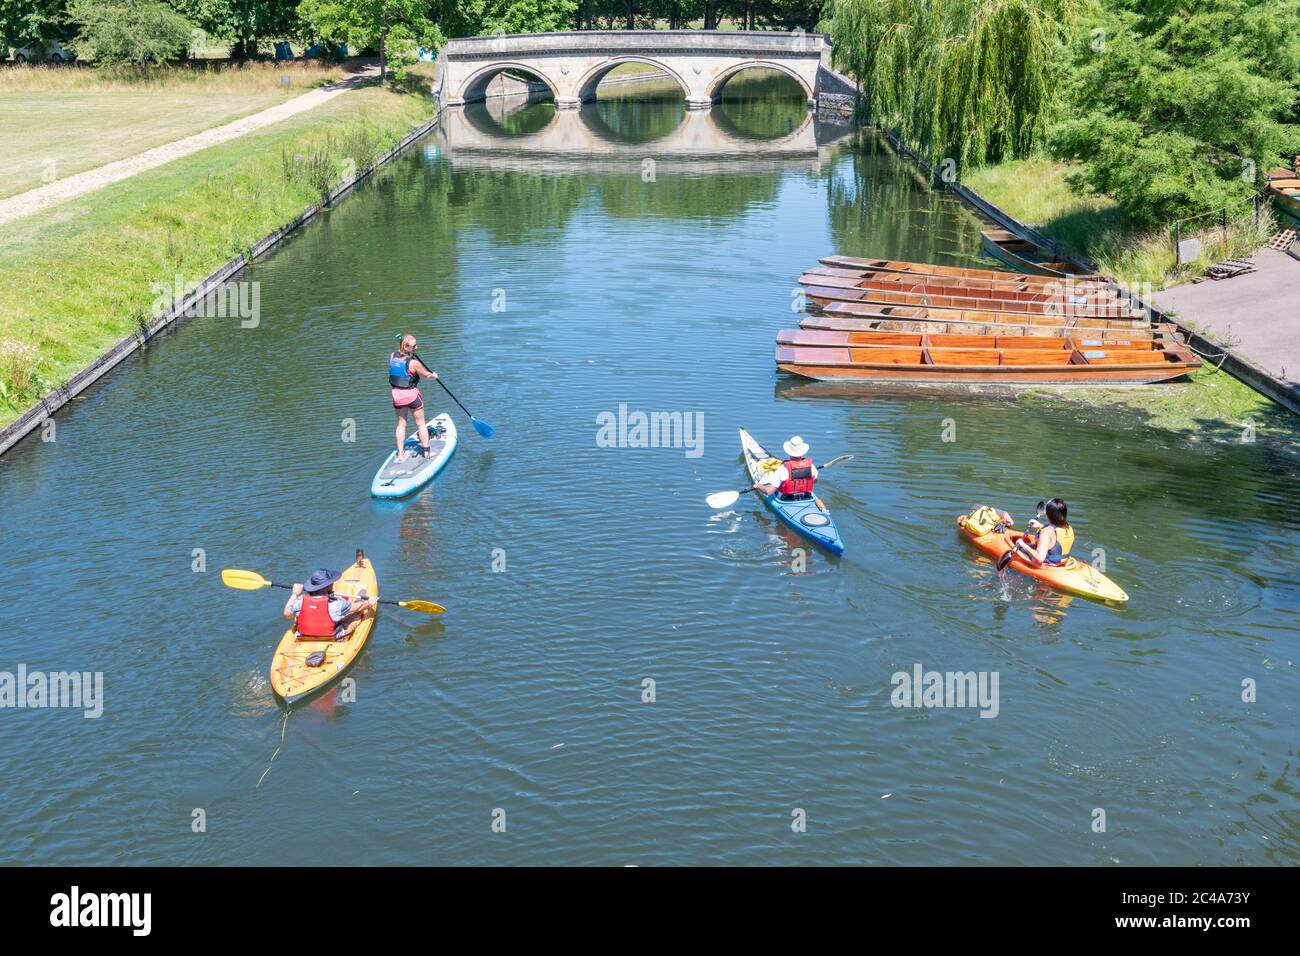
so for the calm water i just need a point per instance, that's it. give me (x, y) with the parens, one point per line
(660, 292)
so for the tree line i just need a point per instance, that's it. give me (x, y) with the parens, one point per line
(1171, 107)
(164, 28)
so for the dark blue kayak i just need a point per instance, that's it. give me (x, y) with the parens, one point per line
(808, 516)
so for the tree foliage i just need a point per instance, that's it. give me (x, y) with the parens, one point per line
(244, 22)
(117, 32)
(1180, 106)
(32, 23)
(397, 28)
(459, 18)
(970, 80)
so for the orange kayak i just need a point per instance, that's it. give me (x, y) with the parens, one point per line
(1074, 576)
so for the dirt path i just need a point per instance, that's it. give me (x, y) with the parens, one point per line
(43, 197)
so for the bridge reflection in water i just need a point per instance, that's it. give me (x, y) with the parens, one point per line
(526, 132)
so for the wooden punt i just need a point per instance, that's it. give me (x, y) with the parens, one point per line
(1025, 256)
(1286, 198)
(874, 310)
(1062, 295)
(978, 359)
(1014, 283)
(929, 269)
(822, 296)
(865, 324)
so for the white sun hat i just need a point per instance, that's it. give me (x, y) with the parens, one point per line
(796, 447)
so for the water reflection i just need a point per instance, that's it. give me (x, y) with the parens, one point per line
(736, 137)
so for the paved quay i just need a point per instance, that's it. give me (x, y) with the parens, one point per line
(1256, 315)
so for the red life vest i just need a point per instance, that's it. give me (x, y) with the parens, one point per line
(801, 479)
(314, 617)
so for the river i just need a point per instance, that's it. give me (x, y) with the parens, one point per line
(557, 268)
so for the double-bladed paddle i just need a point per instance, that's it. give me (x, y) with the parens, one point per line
(252, 581)
(720, 499)
(1007, 557)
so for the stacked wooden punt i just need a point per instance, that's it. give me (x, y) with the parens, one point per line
(1284, 189)
(894, 321)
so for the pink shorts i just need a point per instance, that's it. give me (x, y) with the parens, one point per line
(407, 398)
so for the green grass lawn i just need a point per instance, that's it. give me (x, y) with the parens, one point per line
(58, 121)
(76, 279)
(1036, 192)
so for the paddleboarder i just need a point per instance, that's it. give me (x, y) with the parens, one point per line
(404, 373)
(794, 479)
(319, 613)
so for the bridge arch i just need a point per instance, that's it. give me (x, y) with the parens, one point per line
(715, 91)
(586, 87)
(475, 87)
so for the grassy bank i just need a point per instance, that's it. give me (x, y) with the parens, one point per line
(77, 278)
(59, 121)
(1209, 407)
(1037, 193)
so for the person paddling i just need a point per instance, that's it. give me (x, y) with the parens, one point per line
(795, 478)
(1052, 542)
(404, 374)
(319, 613)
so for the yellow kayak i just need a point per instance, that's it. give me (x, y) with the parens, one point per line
(292, 677)
(1074, 576)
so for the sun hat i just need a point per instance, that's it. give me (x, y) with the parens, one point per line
(320, 579)
(796, 447)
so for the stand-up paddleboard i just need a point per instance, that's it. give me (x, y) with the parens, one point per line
(1074, 576)
(304, 665)
(399, 478)
(808, 516)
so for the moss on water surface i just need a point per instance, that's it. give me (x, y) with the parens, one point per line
(1208, 406)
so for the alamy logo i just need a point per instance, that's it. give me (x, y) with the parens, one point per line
(225, 300)
(638, 429)
(103, 909)
(77, 690)
(922, 688)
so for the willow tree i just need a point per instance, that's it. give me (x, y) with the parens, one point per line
(969, 80)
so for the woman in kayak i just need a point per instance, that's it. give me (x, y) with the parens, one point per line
(404, 374)
(1052, 543)
(795, 478)
(320, 613)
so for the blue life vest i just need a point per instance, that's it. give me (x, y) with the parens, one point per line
(399, 371)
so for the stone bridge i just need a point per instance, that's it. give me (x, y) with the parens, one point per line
(703, 143)
(571, 65)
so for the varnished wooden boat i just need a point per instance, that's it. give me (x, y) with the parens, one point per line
(926, 268)
(875, 310)
(1285, 193)
(979, 359)
(1014, 286)
(1025, 256)
(827, 323)
(1058, 298)
(823, 296)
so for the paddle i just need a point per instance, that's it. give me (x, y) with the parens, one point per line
(480, 426)
(252, 581)
(1009, 555)
(720, 499)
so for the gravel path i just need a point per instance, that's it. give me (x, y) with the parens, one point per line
(43, 197)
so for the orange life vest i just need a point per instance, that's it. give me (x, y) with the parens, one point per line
(314, 616)
(800, 480)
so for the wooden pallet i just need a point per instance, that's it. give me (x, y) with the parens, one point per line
(1282, 241)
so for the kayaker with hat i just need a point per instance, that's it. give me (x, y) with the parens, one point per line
(320, 613)
(795, 477)
(404, 374)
